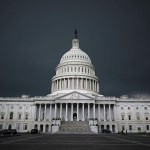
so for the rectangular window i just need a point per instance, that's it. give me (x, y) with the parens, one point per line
(26, 117)
(11, 115)
(1, 126)
(19, 116)
(2, 116)
(146, 118)
(130, 127)
(25, 127)
(129, 117)
(122, 117)
(139, 128)
(147, 127)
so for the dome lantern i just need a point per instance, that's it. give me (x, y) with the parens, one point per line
(75, 41)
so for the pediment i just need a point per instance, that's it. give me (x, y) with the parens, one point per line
(75, 96)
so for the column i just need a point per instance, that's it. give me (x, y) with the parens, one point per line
(52, 87)
(55, 115)
(93, 85)
(68, 83)
(98, 87)
(72, 83)
(60, 84)
(109, 113)
(93, 110)
(61, 111)
(50, 111)
(88, 110)
(71, 111)
(66, 119)
(86, 84)
(64, 87)
(35, 115)
(99, 117)
(114, 112)
(81, 83)
(77, 83)
(83, 119)
(77, 111)
(56, 84)
(45, 113)
(39, 118)
(104, 113)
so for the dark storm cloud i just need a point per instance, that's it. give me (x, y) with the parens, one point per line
(35, 34)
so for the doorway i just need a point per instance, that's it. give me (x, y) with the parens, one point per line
(74, 116)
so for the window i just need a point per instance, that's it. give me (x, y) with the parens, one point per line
(139, 128)
(11, 115)
(26, 117)
(128, 108)
(2, 116)
(138, 117)
(130, 127)
(147, 127)
(146, 118)
(129, 117)
(25, 127)
(1, 126)
(122, 117)
(145, 108)
(137, 108)
(121, 108)
(19, 116)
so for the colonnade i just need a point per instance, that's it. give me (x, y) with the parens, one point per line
(82, 111)
(75, 83)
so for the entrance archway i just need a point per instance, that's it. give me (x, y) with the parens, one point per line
(108, 127)
(41, 128)
(47, 128)
(74, 116)
(113, 128)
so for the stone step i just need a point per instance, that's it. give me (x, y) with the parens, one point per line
(74, 127)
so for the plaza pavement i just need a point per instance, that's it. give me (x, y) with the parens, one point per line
(75, 142)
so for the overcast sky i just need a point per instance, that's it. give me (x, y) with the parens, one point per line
(34, 34)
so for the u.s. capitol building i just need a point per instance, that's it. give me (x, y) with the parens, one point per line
(75, 104)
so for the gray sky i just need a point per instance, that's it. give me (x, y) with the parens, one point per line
(34, 34)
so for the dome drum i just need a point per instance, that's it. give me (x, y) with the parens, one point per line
(75, 83)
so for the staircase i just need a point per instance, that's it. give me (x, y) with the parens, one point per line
(74, 127)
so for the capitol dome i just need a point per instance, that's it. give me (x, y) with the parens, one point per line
(75, 54)
(75, 72)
